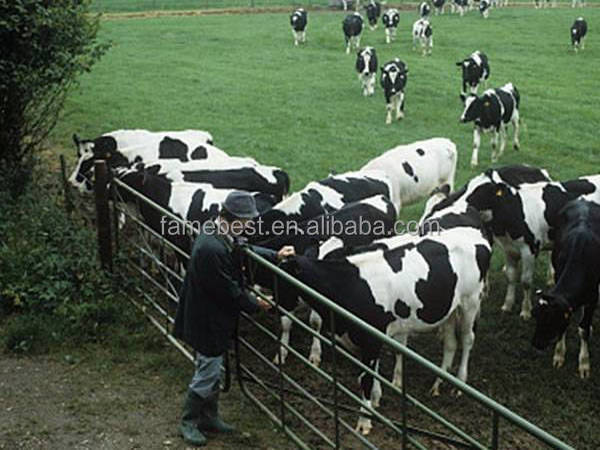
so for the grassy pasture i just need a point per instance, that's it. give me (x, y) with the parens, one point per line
(240, 77)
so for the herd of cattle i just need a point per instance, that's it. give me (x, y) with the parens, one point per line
(400, 283)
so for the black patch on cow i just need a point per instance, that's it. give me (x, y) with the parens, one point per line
(172, 148)
(437, 291)
(394, 256)
(408, 169)
(416, 178)
(104, 145)
(482, 256)
(199, 153)
(354, 189)
(401, 309)
(420, 152)
(518, 174)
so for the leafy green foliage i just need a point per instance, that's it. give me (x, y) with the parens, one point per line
(44, 46)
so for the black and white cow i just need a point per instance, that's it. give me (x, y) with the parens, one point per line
(423, 34)
(475, 69)
(233, 173)
(578, 32)
(366, 66)
(491, 112)
(393, 81)
(439, 6)
(417, 168)
(352, 27)
(373, 12)
(298, 21)
(401, 285)
(574, 3)
(459, 5)
(576, 258)
(484, 8)
(123, 147)
(390, 19)
(424, 10)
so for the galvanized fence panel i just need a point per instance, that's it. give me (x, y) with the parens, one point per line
(315, 406)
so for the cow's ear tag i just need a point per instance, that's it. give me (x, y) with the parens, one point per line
(107, 156)
(567, 315)
(486, 104)
(499, 193)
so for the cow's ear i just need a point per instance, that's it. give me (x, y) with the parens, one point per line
(463, 97)
(459, 64)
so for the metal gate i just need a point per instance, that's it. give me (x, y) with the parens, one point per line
(315, 406)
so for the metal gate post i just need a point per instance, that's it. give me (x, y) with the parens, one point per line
(103, 214)
(336, 414)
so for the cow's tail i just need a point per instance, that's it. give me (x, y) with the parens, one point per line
(517, 95)
(453, 157)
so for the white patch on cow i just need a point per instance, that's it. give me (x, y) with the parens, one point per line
(477, 58)
(377, 201)
(330, 245)
(468, 101)
(291, 205)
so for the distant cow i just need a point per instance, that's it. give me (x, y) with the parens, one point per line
(423, 33)
(459, 5)
(491, 112)
(439, 6)
(366, 66)
(393, 81)
(373, 12)
(578, 32)
(418, 168)
(576, 258)
(475, 69)
(424, 10)
(484, 8)
(578, 2)
(352, 27)
(123, 147)
(299, 20)
(390, 20)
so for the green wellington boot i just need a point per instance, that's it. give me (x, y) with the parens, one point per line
(192, 412)
(210, 420)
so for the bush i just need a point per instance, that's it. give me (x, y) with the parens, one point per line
(44, 46)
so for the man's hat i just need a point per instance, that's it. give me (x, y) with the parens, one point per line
(241, 205)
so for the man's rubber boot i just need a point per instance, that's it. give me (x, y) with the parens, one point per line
(210, 420)
(192, 412)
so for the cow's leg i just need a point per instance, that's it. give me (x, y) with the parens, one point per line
(286, 327)
(450, 344)
(295, 34)
(559, 351)
(366, 383)
(502, 134)
(400, 106)
(515, 122)
(372, 84)
(376, 392)
(495, 135)
(315, 323)
(389, 107)
(511, 268)
(387, 36)
(476, 142)
(527, 270)
(470, 311)
(357, 42)
(397, 380)
(304, 36)
(585, 331)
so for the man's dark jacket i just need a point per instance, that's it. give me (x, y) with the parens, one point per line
(212, 296)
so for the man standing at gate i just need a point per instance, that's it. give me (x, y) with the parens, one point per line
(209, 304)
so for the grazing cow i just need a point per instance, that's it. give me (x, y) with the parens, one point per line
(423, 33)
(373, 12)
(439, 6)
(352, 26)
(393, 81)
(390, 20)
(491, 112)
(424, 10)
(233, 173)
(366, 66)
(484, 8)
(418, 168)
(575, 257)
(475, 69)
(578, 32)
(299, 20)
(459, 5)
(400, 285)
(123, 147)
(577, 2)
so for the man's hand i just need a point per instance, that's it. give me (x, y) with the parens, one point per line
(285, 252)
(263, 304)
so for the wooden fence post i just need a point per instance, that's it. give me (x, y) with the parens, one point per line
(101, 190)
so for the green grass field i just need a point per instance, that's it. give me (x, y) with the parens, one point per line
(240, 77)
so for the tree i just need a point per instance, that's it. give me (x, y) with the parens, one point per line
(44, 46)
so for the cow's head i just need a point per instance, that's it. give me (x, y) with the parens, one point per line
(488, 193)
(88, 151)
(393, 76)
(470, 70)
(366, 61)
(473, 107)
(552, 314)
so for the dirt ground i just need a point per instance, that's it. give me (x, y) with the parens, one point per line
(79, 402)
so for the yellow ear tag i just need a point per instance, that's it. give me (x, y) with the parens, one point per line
(486, 104)
(567, 314)
(499, 193)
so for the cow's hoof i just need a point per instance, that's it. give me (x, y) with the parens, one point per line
(516, 146)
(506, 309)
(276, 359)
(584, 371)
(364, 426)
(397, 382)
(456, 393)
(473, 164)
(400, 117)
(388, 121)
(558, 361)
(315, 360)
(525, 315)
(434, 391)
